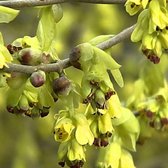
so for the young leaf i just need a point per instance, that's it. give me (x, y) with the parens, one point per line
(99, 39)
(7, 14)
(46, 30)
(118, 77)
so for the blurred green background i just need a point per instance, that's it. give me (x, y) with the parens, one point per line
(29, 143)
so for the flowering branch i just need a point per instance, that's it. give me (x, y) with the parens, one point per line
(31, 3)
(62, 64)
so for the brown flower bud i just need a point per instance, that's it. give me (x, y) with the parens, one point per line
(61, 86)
(38, 78)
(74, 57)
(30, 56)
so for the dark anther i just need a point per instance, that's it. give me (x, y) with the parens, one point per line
(94, 83)
(154, 58)
(28, 113)
(99, 114)
(164, 121)
(109, 94)
(10, 109)
(157, 28)
(146, 51)
(44, 113)
(85, 101)
(149, 113)
(152, 124)
(31, 104)
(15, 48)
(62, 164)
(99, 106)
(10, 48)
(166, 27)
(104, 143)
(96, 142)
(55, 99)
(81, 163)
(108, 134)
(133, 5)
(19, 48)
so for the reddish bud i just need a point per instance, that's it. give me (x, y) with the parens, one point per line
(74, 57)
(149, 113)
(61, 85)
(38, 78)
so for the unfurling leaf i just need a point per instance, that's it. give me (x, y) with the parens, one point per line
(7, 14)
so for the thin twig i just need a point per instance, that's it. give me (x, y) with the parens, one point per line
(31, 3)
(54, 67)
(116, 39)
(62, 64)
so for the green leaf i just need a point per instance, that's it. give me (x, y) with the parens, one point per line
(13, 96)
(7, 14)
(46, 30)
(118, 77)
(109, 157)
(106, 59)
(126, 160)
(99, 39)
(62, 150)
(75, 151)
(45, 97)
(5, 56)
(124, 116)
(129, 131)
(57, 12)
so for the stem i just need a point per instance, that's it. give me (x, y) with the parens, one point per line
(54, 67)
(31, 3)
(126, 33)
(62, 64)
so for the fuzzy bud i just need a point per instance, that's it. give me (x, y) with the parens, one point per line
(61, 86)
(38, 78)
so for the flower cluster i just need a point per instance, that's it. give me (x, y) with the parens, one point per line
(151, 28)
(73, 132)
(150, 100)
(31, 94)
(121, 158)
(98, 116)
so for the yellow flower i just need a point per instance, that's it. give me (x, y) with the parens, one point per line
(128, 130)
(71, 153)
(110, 156)
(5, 56)
(114, 106)
(158, 15)
(76, 151)
(126, 160)
(63, 130)
(134, 6)
(105, 123)
(113, 156)
(83, 133)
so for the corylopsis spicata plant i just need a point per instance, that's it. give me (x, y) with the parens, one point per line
(91, 114)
